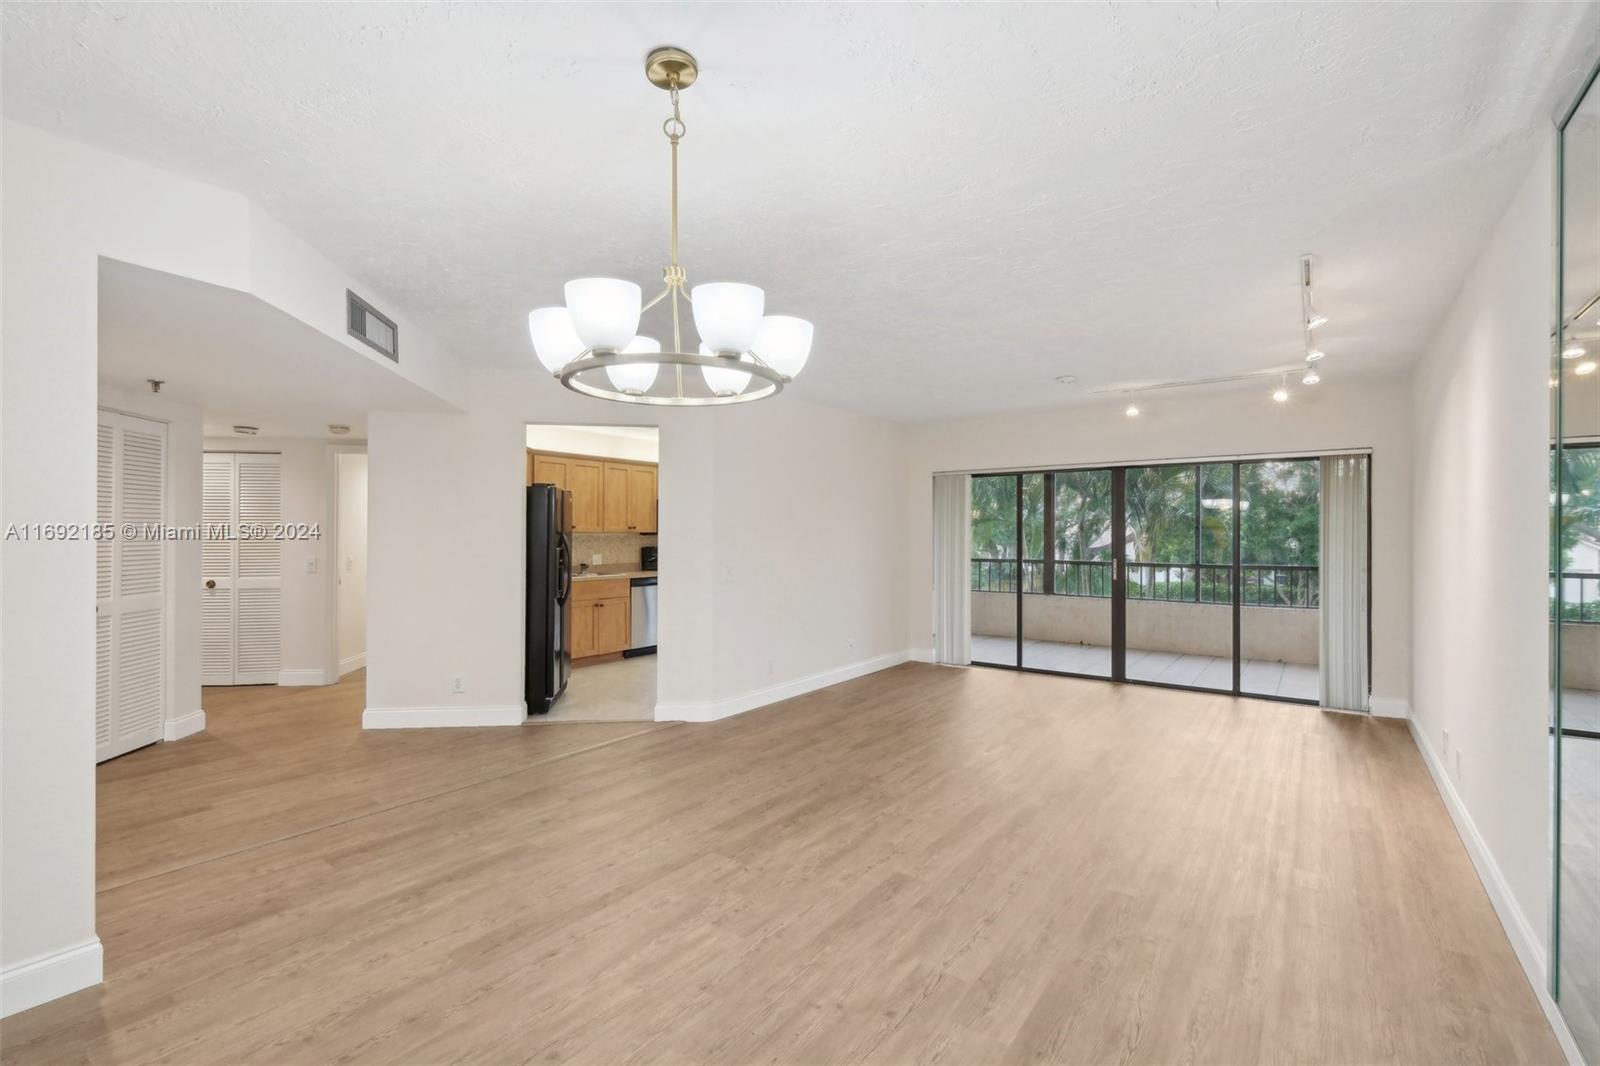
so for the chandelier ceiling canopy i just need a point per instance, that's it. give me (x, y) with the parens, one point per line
(592, 343)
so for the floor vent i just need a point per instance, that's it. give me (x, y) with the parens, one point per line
(373, 328)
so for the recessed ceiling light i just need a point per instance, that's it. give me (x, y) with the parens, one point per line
(1574, 350)
(338, 430)
(1316, 319)
(1067, 379)
(1132, 411)
(247, 431)
(1314, 354)
(1585, 367)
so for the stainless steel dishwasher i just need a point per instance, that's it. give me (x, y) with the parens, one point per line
(642, 617)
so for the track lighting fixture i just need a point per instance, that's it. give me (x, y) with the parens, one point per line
(1310, 319)
(1574, 350)
(1132, 411)
(1308, 308)
(1281, 393)
(1584, 368)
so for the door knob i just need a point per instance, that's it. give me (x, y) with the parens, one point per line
(211, 583)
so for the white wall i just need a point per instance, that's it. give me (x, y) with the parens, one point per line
(63, 205)
(1480, 414)
(810, 523)
(1320, 420)
(183, 713)
(779, 533)
(305, 467)
(350, 560)
(597, 441)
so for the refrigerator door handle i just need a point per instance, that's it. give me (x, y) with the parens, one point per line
(563, 567)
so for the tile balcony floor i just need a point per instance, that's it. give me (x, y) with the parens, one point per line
(1259, 677)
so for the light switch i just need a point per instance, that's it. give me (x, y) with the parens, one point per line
(311, 565)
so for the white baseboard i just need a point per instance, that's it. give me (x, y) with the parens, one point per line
(1390, 707)
(1524, 940)
(353, 662)
(302, 677)
(184, 725)
(52, 976)
(749, 701)
(442, 717)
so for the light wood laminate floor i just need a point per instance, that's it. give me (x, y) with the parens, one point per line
(926, 864)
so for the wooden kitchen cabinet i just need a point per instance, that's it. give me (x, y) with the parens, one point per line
(614, 511)
(607, 496)
(547, 470)
(599, 617)
(583, 480)
(642, 499)
(581, 477)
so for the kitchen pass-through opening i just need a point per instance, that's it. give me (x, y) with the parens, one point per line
(593, 496)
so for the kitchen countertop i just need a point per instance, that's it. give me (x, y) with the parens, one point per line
(604, 573)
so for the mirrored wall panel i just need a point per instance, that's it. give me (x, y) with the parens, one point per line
(1575, 583)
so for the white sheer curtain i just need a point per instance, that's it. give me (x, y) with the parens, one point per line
(952, 577)
(1343, 617)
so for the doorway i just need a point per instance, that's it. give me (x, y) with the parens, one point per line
(350, 559)
(594, 495)
(1194, 575)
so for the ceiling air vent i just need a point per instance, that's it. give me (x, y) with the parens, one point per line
(370, 327)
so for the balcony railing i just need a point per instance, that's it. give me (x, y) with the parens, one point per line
(1580, 596)
(1261, 585)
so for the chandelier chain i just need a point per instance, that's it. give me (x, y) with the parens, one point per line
(676, 278)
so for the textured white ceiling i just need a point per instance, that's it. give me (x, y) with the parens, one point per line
(967, 200)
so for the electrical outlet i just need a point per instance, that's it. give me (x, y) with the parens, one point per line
(1445, 750)
(595, 559)
(458, 686)
(1458, 766)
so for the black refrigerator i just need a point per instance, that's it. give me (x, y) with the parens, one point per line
(549, 590)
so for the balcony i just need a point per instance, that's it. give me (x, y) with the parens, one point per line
(1179, 621)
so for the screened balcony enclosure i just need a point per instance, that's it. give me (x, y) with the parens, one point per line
(1196, 575)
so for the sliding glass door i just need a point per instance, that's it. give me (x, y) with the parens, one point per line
(1178, 582)
(1066, 602)
(1280, 509)
(996, 569)
(1191, 575)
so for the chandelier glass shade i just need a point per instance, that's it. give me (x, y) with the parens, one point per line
(592, 343)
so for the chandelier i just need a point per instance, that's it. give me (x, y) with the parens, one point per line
(592, 344)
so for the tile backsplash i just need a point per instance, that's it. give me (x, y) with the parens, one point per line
(613, 548)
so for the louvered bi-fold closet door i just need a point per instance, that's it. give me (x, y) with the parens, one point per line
(258, 577)
(130, 584)
(241, 569)
(217, 498)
